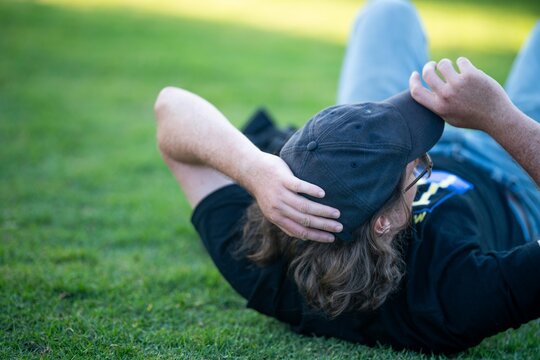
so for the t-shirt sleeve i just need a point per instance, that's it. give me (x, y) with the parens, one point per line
(218, 219)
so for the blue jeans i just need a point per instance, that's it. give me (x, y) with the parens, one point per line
(388, 43)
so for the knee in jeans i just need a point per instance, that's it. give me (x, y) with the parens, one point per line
(387, 11)
(391, 5)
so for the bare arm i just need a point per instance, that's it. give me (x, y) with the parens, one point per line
(521, 138)
(472, 99)
(193, 133)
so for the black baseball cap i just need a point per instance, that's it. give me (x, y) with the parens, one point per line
(358, 152)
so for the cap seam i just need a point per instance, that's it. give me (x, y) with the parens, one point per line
(343, 186)
(329, 128)
(304, 162)
(314, 123)
(408, 128)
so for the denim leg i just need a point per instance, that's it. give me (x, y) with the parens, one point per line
(523, 83)
(481, 151)
(386, 45)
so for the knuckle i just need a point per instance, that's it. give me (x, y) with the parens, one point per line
(274, 206)
(466, 77)
(415, 91)
(306, 221)
(289, 183)
(447, 93)
(443, 110)
(328, 228)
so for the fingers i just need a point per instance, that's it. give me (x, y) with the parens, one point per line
(420, 93)
(440, 90)
(304, 187)
(308, 220)
(430, 76)
(447, 70)
(293, 229)
(464, 65)
(311, 221)
(309, 207)
(304, 225)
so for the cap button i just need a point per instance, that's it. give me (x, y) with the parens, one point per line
(312, 146)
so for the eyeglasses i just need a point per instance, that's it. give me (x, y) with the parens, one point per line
(423, 167)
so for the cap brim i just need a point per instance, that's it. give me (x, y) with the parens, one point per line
(425, 126)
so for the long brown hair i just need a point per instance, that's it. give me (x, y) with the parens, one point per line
(340, 276)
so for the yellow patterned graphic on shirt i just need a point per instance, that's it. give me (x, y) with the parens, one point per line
(434, 191)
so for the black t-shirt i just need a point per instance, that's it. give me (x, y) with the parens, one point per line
(469, 273)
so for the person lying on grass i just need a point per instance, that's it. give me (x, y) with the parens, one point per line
(426, 252)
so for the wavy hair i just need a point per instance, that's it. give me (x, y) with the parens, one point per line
(340, 276)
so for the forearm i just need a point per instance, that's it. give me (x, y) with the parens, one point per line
(193, 131)
(520, 136)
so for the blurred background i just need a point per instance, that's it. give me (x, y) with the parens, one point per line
(97, 253)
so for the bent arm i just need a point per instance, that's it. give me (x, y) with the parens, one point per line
(471, 99)
(192, 133)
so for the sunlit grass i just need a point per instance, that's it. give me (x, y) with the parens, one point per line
(467, 26)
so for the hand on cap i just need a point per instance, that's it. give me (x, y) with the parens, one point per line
(468, 98)
(278, 191)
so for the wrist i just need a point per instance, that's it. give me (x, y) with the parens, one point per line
(502, 119)
(252, 171)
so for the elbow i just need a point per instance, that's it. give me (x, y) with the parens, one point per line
(163, 109)
(171, 109)
(164, 101)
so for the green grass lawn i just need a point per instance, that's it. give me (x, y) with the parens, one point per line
(98, 258)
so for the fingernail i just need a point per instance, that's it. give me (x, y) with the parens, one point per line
(338, 228)
(330, 239)
(321, 194)
(335, 214)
